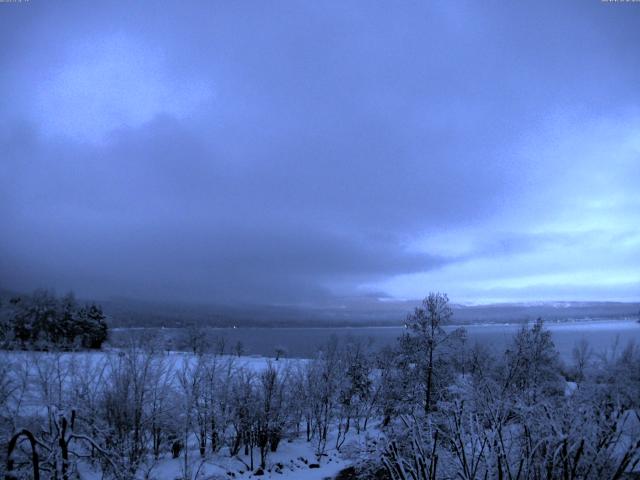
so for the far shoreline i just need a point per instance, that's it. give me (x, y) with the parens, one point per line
(550, 323)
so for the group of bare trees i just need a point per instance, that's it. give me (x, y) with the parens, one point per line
(513, 414)
(443, 408)
(120, 412)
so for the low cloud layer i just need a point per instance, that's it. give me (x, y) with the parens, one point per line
(302, 153)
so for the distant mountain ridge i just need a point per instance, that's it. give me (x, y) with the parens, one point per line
(359, 312)
(377, 314)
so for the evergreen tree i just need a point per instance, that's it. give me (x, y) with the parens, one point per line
(41, 319)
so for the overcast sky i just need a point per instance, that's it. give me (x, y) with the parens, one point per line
(313, 152)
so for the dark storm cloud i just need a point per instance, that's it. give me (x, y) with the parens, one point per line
(200, 224)
(300, 151)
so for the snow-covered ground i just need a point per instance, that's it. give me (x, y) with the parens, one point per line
(294, 459)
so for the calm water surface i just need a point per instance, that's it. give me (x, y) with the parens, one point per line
(304, 342)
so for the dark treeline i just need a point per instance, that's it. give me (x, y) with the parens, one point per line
(43, 321)
(437, 407)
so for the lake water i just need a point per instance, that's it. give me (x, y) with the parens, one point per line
(304, 342)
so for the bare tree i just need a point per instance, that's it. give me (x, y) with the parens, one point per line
(581, 354)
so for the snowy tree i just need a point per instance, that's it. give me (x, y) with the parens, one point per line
(429, 347)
